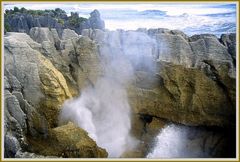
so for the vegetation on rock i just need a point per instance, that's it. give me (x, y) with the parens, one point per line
(22, 20)
(54, 13)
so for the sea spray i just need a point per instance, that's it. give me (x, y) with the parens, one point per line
(104, 113)
(103, 109)
(175, 141)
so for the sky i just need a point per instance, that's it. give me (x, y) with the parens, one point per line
(192, 18)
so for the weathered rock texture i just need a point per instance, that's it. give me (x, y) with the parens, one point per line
(192, 80)
(23, 22)
(187, 80)
(38, 79)
(68, 141)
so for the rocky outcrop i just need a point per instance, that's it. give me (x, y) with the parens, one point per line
(44, 87)
(23, 21)
(187, 96)
(29, 155)
(176, 78)
(94, 22)
(192, 80)
(229, 41)
(69, 34)
(51, 44)
(176, 49)
(68, 141)
(35, 88)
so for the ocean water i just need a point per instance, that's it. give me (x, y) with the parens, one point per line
(174, 141)
(192, 18)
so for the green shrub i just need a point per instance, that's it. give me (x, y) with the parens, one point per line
(23, 10)
(16, 9)
(75, 20)
(7, 27)
(58, 14)
(60, 21)
(59, 11)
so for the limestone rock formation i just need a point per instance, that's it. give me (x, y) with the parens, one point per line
(69, 34)
(192, 80)
(76, 142)
(68, 141)
(38, 79)
(176, 78)
(94, 22)
(44, 86)
(23, 21)
(229, 40)
(187, 96)
(35, 89)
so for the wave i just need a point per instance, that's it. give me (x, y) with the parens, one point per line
(228, 14)
(176, 141)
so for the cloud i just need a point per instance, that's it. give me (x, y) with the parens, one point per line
(170, 8)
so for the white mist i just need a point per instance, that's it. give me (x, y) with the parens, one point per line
(103, 110)
(173, 142)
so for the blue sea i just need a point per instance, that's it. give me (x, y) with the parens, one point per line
(192, 18)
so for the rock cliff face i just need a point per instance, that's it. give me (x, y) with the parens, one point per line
(181, 79)
(35, 87)
(191, 81)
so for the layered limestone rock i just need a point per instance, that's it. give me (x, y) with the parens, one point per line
(187, 80)
(181, 79)
(44, 87)
(38, 79)
(191, 80)
(51, 45)
(69, 34)
(190, 51)
(81, 55)
(187, 96)
(229, 40)
(34, 89)
(76, 57)
(23, 21)
(68, 141)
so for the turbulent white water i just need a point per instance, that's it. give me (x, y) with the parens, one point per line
(103, 110)
(173, 142)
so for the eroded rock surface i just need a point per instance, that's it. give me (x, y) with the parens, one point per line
(181, 79)
(37, 82)
(23, 21)
(68, 141)
(191, 80)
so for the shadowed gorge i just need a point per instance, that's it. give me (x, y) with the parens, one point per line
(96, 93)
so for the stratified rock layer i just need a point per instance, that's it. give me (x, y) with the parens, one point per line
(24, 21)
(187, 80)
(68, 141)
(37, 82)
(192, 80)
